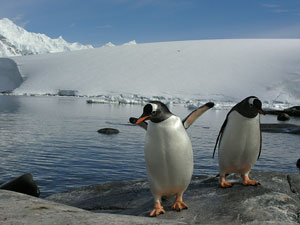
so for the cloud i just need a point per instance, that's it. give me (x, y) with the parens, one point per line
(72, 25)
(106, 26)
(280, 11)
(18, 19)
(270, 5)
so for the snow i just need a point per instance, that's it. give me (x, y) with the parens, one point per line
(15, 40)
(190, 72)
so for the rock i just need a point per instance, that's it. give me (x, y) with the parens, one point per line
(283, 117)
(108, 131)
(298, 163)
(280, 128)
(23, 184)
(273, 202)
(18, 208)
(67, 92)
(292, 111)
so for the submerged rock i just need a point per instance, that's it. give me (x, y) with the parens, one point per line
(275, 201)
(280, 128)
(108, 131)
(23, 184)
(283, 117)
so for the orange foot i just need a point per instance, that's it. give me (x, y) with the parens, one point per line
(158, 209)
(179, 205)
(247, 181)
(224, 183)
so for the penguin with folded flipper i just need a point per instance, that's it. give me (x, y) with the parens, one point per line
(168, 152)
(240, 140)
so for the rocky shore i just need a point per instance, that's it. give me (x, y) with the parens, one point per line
(275, 201)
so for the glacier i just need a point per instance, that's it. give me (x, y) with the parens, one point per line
(189, 72)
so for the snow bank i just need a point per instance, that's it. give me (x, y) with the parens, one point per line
(219, 70)
(10, 77)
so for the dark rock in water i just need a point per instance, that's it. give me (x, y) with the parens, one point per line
(283, 117)
(23, 184)
(280, 128)
(275, 201)
(298, 163)
(67, 92)
(108, 131)
(292, 111)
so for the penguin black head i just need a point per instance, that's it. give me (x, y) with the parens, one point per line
(156, 111)
(249, 107)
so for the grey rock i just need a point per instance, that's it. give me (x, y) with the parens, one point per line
(20, 209)
(275, 201)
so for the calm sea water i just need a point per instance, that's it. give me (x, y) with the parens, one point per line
(56, 139)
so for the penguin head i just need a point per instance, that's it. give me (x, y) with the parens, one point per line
(155, 111)
(250, 107)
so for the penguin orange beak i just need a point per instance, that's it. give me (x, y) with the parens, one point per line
(142, 119)
(260, 111)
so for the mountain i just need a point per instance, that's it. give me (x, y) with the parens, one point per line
(16, 41)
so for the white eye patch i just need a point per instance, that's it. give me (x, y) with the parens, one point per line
(251, 100)
(154, 107)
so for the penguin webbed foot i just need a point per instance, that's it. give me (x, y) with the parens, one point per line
(157, 212)
(179, 205)
(224, 183)
(248, 182)
(158, 209)
(252, 183)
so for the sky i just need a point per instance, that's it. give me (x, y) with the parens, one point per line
(98, 22)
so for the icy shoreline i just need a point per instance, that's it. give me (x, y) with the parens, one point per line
(191, 104)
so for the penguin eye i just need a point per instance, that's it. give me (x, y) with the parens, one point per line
(153, 113)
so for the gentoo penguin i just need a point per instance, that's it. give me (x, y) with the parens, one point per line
(168, 152)
(240, 140)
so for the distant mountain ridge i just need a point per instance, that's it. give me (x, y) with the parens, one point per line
(16, 41)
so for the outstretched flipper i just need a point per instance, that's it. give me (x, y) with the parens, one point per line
(190, 119)
(143, 124)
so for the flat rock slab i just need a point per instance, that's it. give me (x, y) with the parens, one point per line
(17, 209)
(275, 201)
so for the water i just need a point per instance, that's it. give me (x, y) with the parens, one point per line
(56, 139)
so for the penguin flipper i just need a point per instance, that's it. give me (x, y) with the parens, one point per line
(260, 144)
(143, 124)
(190, 119)
(219, 136)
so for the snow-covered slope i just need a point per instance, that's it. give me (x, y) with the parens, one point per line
(16, 41)
(220, 70)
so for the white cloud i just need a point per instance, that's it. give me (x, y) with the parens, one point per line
(106, 26)
(270, 5)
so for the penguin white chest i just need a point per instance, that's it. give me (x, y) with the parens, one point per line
(240, 144)
(169, 156)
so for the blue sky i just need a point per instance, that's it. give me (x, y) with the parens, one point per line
(97, 22)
